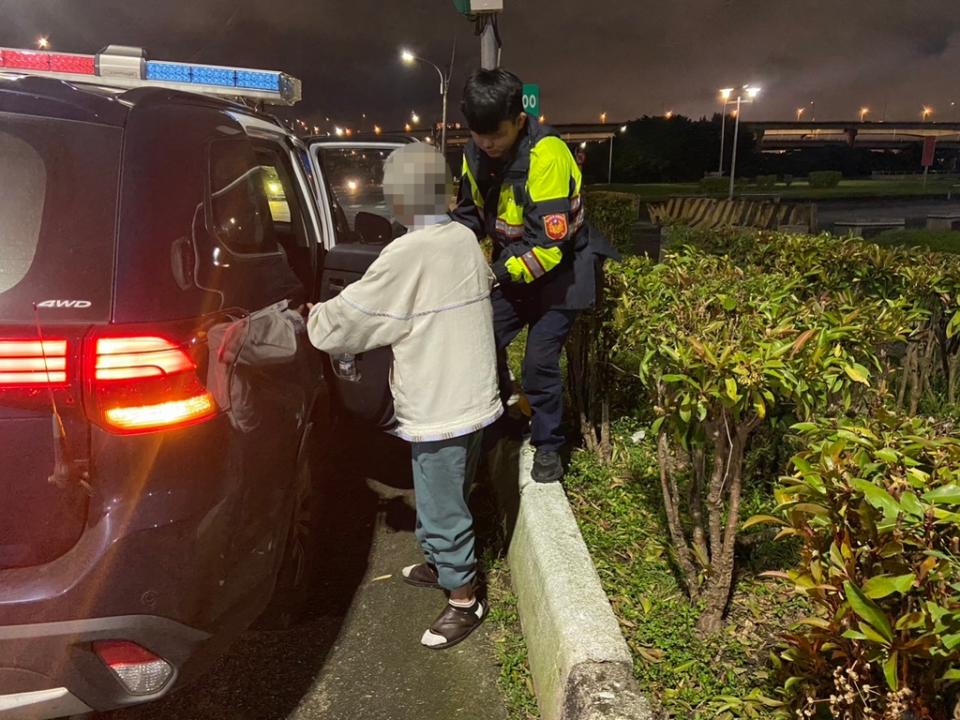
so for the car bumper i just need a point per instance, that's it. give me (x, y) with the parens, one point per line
(49, 669)
(53, 703)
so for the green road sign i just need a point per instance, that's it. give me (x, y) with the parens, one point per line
(531, 100)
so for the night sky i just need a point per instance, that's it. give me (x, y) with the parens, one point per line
(625, 57)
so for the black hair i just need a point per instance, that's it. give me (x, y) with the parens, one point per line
(489, 98)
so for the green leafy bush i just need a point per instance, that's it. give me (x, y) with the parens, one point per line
(716, 349)
(825, 178)
(876, 505)
(927, 366)
(613, 214)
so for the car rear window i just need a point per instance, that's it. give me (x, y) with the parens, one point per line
(58, 209)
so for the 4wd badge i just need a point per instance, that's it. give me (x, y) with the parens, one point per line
(74, 304)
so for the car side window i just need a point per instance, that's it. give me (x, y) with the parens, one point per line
(287, 213)
(240, 207)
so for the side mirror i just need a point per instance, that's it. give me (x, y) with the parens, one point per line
(374, 229)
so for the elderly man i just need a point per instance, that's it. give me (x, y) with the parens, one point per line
(428, 297)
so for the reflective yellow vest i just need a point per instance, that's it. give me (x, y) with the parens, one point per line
(539, 209)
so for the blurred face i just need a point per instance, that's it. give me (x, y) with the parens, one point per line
(498, 144)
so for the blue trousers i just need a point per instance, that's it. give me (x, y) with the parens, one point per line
(443, 472)
(542, 382)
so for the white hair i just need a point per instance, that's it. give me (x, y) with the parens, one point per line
(416, 180)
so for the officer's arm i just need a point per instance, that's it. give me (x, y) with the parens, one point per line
(466, 212)
(547, 216)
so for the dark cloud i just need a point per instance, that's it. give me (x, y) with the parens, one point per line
(625, 57)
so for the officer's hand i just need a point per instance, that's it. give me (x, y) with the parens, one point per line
(501, 273)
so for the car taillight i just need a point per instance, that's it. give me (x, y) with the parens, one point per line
(143, 383)
(138, 670)
(32, 363)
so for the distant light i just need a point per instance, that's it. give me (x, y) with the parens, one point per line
(352, 185)
(668, 114)
(752, 90)
(349, 132)
(430, 140)
(623, 128)
(543, 118)
(726, 93)
(377, 130)
(863, 112)
(338, 131)
(583, 144)
(414, 117)
(603, 117)
(407, 127)
(43, 42)
(407, 56)
(316, 129)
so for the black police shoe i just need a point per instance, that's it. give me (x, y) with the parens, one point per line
(547, 466)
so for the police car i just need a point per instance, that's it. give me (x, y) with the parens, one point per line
(160, 405)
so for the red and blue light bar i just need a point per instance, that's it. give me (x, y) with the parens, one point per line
(125, 67)
(48, 61)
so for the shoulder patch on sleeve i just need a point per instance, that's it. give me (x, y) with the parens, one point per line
(555, 226)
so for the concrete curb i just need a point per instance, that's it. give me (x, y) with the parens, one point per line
(581, 665)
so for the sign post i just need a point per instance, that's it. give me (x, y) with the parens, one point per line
(929, 151)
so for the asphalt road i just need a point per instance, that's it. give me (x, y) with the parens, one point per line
(358, 656)
(913, 211)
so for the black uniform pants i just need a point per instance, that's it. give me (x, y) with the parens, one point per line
(541, 379)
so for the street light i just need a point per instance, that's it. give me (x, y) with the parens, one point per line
(543, 119)
(668, 114)
(377, 130)
(751, 92)
(799, 113)
(863, 113)
(409, 58)
(414, 118)
(927, 112)
(603, 118)
(725, 94)
(43, 43)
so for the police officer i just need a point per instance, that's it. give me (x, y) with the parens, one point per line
(521, 187)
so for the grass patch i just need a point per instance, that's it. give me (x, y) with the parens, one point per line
(947, 241)
(798, 190)
(516, 682)
(619, 512)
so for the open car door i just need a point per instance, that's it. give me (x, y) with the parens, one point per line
(351, 173)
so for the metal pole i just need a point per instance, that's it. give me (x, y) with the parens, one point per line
(723, 127)
(610, 166)
(444, 90)
(488, 46)
(733, 161)
(443, 131)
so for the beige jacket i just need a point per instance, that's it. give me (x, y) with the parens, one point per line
(428, 297)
